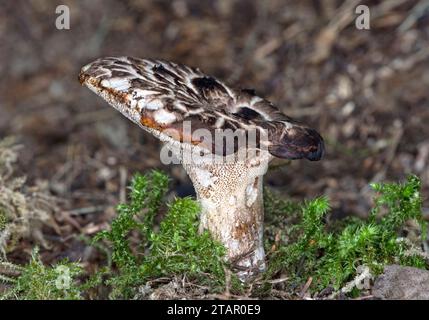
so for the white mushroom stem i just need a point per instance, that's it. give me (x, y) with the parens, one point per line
(231, 199)
(232, 211)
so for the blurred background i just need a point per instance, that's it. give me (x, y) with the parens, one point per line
(365, 91)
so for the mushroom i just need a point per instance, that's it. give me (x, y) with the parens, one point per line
(224, 138)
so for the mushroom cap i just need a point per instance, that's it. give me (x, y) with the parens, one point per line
(160, 96)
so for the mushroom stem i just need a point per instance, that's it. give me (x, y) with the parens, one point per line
(231, 198)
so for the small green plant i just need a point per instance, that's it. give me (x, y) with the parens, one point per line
(175, 249)
(331, 258)
(36, 281)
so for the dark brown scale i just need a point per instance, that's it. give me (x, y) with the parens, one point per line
(138, 83)
(190, 92)
(159, 77)
(164, 78)
(192, 106)
(251, 92)
(121, 63)
(163, 71)
(118, 74)
(134, 61)
(248, 114)
(229, 125)
(169, 104)
(210, 120)
(98, 73)
(205, 84)
(158, 68)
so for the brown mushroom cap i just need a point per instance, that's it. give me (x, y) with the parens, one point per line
(160, 96)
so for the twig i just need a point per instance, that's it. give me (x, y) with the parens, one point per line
(385, 7)
(280, 280)
(68, 218)
(364, 297)
(326, 38)
(305, 288)
(223, 297)
(420, 9)
(86, 210)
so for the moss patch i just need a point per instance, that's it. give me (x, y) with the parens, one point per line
(299, 245)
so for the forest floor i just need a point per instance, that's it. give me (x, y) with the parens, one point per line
(365, 91)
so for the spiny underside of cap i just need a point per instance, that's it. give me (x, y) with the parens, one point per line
(160, 95)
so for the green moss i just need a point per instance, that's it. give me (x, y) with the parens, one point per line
(37, 281)
(332, 257)
(176, 249)
(142, 250)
